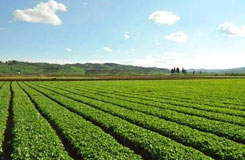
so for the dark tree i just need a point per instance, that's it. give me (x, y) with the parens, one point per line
(184, 71)
(172, 71)
(177, 70)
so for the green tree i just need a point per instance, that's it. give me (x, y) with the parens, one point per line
(177, 70)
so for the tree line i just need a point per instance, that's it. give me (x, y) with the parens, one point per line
(183, 71)
(178, 71)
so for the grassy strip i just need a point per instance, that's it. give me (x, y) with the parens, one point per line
(210, 144)
(89, 141)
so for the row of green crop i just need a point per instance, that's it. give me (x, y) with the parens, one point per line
(228, 91)
(89, 141)
(210, 101)
(159, 146)
(178, 97)
(224, 92)
(236, 110)
(190, 111)
(33, 138)
(1, 85)
(179, 92)
(154, 98)
(178, 107)
(230, 131)
(217, 89)
(4, 105)
(210, 144)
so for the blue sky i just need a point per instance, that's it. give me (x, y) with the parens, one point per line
(161, 33)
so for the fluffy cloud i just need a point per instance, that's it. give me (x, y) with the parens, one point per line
(164, 17)
(127, 36)
(42, 13)
(68, 50)
(107, 49)
(177, 37)
(232, 30)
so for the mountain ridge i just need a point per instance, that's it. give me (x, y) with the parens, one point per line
(14, 67)
(230, 70)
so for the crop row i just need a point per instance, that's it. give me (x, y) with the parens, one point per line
(33, 138)
(4, 105)
(154, 97)
(179, 107)
(210, 101)
(179, 94)
(210, 144)
(224, 91)
(159, 146)
(90, 141)
(230, 131)
(178, 97)
(221, 89)
(190, 111)
(154, 100)
(238, 111)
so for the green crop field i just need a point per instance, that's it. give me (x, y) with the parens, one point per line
(123, 120)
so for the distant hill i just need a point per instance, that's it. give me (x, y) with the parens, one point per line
(27, 68)
(233, 70)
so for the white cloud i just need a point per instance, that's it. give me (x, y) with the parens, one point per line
(177, 37)
(68, 50)
(108, 49)
(164, 17)
(232, 30)
(127, 36)
(42, 13)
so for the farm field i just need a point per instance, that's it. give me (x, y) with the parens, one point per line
(123, 120)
